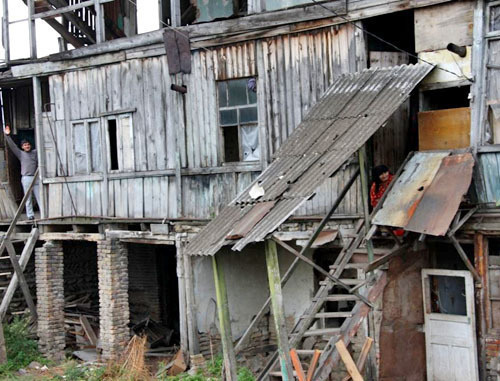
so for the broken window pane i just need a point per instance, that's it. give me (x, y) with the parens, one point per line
(231, 144)
(237, 90)
(448, 295)
(248, 114)
(228, 117)
(250, 143)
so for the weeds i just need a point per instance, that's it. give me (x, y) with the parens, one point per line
(21, 349)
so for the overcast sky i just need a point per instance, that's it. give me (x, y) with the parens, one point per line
(147, 20)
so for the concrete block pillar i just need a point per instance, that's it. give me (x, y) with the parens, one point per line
(49, 270)
(114, 314)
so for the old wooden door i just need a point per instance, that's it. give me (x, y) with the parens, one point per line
(450, 336)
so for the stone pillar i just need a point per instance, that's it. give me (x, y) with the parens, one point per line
(112, 263)
(49, 269)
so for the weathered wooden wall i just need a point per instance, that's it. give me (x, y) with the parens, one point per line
(292, 72)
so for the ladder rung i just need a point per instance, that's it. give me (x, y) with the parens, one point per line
(338, 298)
(349, 282)
(6, 274)
(7, 257)
(322, 332)
(339, 314)
(350, 266)
(376, 251)
(279, 374)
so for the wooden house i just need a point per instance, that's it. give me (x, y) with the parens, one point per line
(144, 139)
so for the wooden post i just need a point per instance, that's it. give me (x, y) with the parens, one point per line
(37, 100)
(175, 13)
(273, 274)
(100, 30)
(32, 29)
(5, 30)
(224, 320)
(364, 196)
(182, 295)
(482, 302)
(190, 306)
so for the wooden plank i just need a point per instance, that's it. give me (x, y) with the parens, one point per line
(224, 319)
(444, 129)
(465, 259)
(297, 365)
(360, 364)
(23, 262)
(273, 275)
(348, 361)
(89, 331)
(313, 365)
(437, 26)
(20, 275)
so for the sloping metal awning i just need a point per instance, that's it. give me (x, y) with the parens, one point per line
(349, 113)
(427, 194)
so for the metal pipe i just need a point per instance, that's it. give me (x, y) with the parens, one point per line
(457, 49)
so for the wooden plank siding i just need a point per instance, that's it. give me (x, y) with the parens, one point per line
(292, 71)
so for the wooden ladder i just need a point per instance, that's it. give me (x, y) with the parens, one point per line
(350, 267)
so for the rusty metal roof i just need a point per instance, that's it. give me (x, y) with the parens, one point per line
(427, 194)
(351, 110)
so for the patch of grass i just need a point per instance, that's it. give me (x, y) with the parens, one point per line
(21, 349)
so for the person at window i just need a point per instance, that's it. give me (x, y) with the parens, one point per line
(29, 163)
(382, 177)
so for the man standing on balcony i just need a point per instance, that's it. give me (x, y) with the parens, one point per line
(29, 163)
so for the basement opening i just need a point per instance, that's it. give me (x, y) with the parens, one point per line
(153, 294)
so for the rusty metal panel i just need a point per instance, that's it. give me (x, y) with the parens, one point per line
(407, 192)
(441, 200)
(250, 220)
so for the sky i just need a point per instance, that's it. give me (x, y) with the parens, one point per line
(147, 20)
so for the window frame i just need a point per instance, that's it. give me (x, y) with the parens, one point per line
(88, 147)
(130, 159)
(238, 125)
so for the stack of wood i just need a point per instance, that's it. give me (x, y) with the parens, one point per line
(158, 336)
(81, 319)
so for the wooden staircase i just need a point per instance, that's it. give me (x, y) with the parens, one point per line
(329, 324)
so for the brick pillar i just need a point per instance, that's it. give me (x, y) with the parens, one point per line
(49, 269)
(112, 263)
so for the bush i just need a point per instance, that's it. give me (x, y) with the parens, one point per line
(21, 349)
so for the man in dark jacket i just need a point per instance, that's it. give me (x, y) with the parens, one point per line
(29, 163)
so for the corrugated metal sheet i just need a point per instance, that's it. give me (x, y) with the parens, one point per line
(428, 193)
(407, 192)
(353, 108)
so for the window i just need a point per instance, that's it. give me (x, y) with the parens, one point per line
(120, 142)
(86, 138)
(494, 18)
(238, 119)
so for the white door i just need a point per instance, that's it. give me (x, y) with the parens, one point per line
(450, 336)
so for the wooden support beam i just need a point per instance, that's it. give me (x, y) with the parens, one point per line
(175, 13)
(3, 350)
(32, 28)
(190, 306)
(301, 376)
(364, 196)
(482, 301)
(23, 262)
(20, 275)
(462, 221)
(100, 29)
(463, 255)
(181, 284)
(348, 361)
(224, 320)
(273, 274)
